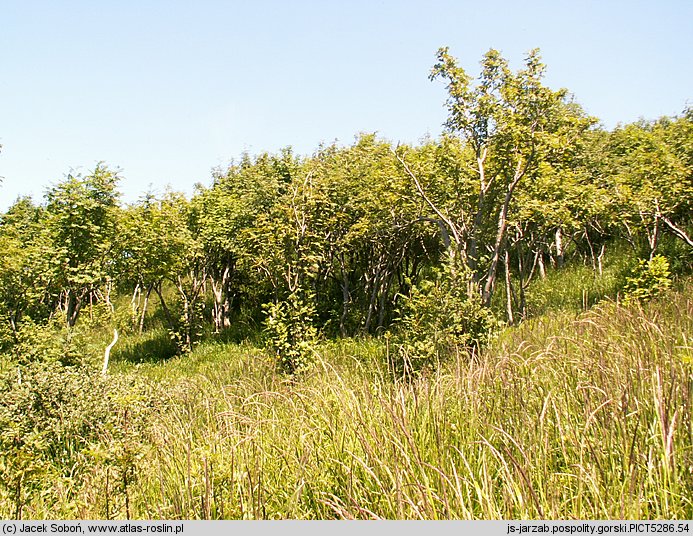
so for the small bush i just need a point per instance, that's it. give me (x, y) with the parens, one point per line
(437, 319)
(57, 423)
(648, 279)
(291, 335)
(45, 342)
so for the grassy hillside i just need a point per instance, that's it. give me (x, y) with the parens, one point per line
(568, 416)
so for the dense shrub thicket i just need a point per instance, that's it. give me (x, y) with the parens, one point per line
(353, 239)
(64, 430)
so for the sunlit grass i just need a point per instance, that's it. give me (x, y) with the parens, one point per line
(566, 416)
(563, 418)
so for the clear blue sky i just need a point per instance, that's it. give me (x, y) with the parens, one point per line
(167, 90)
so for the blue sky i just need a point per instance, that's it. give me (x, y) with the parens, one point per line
(168, 90)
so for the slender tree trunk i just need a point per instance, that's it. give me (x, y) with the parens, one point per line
(473, 258)
(346, 300)
(559, 248)
(487, 294)
(593, 256)
(524, 282)
(508, 290)
(164, 307)
(680, 233)
(599, 259)
(653, 238)
(372, 302)
(383, 297)
(144, 307)
(540, 261)
(218, 310)
(135, 301)
(107, 353)
(74, 305)
(13, 326)
(187, 325)
(227, 290)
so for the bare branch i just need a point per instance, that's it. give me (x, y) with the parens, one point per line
(419, 188)
(677, 230)
(107, 353)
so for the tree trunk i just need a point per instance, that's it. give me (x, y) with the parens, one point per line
(13, 326)
(383, 297)
(164, 307)
(524, 283)
(500, 235)
(487, 292)
(227, 289)
(371, 303)
(144, 307)
(599, 260)
(74, 304)
(346, 300)
(540, 261)
(135, 301)
(218, 309)
(653, 238)
(559, 248)
(508, 290)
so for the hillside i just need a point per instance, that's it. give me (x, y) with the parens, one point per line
(566, 416)
(495, 322)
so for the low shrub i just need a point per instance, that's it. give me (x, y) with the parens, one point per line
(291, 335)
(437, 320)
(648, 279)
(61, 427)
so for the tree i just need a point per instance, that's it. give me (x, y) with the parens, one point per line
(229, 214)
(81, 224)
(509, 124)
(371, 242)
(650, 169)
(157, 246)
(23, 265)
(153, 239)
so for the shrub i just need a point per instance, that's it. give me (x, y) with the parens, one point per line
(45, 342)
(291, 335)
(437, 319)
(57, 423)
(648, 279)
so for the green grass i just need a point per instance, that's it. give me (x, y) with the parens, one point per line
(562, 418)
(566, 416)
(578, 286)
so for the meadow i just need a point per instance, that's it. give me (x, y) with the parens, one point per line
(572, 414)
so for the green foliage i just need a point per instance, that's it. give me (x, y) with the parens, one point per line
(439, 320)
(80, 223)
(648, 169)
(515, 132)
(291, 334)
(364, 239)
(45, 342)
(153, 240)
(648, 279)
(24, 265)
(545, 424)
(57, 424)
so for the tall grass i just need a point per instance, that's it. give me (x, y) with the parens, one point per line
(564, 417)
(579, 286)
